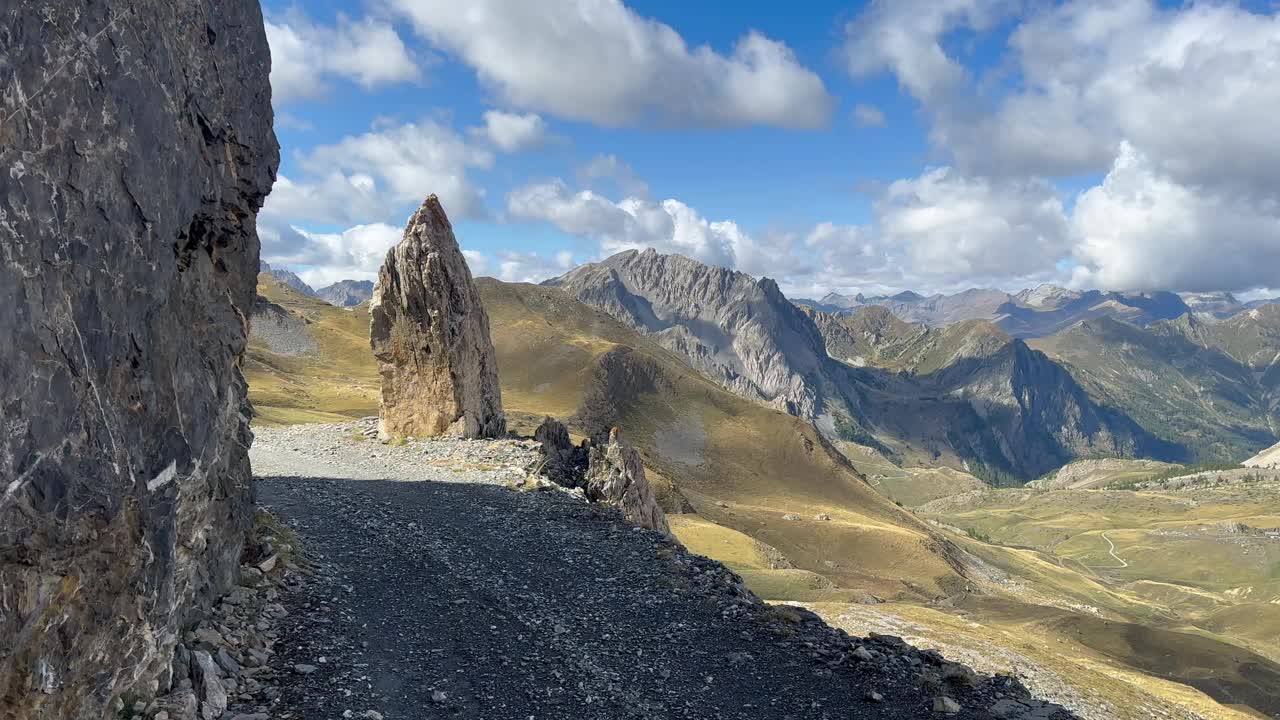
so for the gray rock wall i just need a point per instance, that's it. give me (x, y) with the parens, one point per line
(136, 147)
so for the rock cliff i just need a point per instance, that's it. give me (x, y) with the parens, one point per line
(137, 146)
(430, 335)
(735, 329)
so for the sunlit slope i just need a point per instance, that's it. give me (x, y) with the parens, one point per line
(317, 367)
(736, 463)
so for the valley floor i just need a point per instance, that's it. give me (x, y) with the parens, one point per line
(442, 592)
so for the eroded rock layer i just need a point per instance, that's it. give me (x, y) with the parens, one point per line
(136, 147)
(430, 335)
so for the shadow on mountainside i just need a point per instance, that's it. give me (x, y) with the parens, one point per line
(465, 600)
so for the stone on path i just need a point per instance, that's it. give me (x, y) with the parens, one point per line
(430, 336)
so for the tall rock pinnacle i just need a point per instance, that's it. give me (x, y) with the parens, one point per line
(430, 336)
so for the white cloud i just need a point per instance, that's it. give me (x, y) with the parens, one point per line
(511, 132)
(949, 225)
(1141, 230)
(378, 176)
(368, 52)
(632, 223)
(905, 37)
(598, 60)
(531, 267)
(610, 169)
(868, 115)
(322, 259)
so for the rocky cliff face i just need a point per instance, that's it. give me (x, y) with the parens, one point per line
(430, 336)
(346, 293)
(737, 330)
(137, 148)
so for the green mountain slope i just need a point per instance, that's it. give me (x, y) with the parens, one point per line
(1178, 380)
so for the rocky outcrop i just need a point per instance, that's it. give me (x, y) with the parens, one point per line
(136, 147)
(606, 469)
(430, 335)
(615, 475)
(562, 462)
(346, 293)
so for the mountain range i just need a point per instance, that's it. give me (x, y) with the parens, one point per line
(998, 409)
(344, 293)
(1043, 310)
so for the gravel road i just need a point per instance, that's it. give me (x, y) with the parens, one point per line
(457, 597)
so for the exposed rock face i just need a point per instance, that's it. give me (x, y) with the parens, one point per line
(346, 293)
(430, 335)
(737, 330)
(608, 470)
(136, 147)
(562, 463)
(615, 475)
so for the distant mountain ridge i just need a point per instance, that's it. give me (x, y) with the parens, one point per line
(287, 277)
(346, 293)
(1040, 311)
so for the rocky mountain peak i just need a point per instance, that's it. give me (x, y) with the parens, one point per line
(740, 331)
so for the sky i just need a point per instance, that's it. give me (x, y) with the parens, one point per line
(932, 145)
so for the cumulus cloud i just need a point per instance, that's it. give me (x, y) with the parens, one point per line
(1174, 104)
(511, 132)
(905, 37)
(938, 230)
(598, 60)
(322, 259)
(951, 225)
(868, 116)
(632, 223)
(377, 176)
(305, 56)
(1142, 230)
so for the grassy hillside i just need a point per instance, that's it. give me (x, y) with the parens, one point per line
(333, 377)
(1184, 391)
(738, 464)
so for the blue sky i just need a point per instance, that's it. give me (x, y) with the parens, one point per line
(848, 147)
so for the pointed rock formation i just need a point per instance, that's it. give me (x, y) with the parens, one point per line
(615, 475)
(136, 147)
(430, 335)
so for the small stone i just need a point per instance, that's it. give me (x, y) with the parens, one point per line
(438, 696)
(863, 654)
(874, 697)
(269, 564)
(944, 704)
(304, 669)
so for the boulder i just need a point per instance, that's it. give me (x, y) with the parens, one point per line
(562, 462)
(136, 148)
(430, 335)
(615, 475)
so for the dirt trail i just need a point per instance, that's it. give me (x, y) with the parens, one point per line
(454, 598)
(1112, 549)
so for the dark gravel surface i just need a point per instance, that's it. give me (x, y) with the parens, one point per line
(456, 600)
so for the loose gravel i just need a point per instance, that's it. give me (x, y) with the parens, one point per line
(439, 592)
